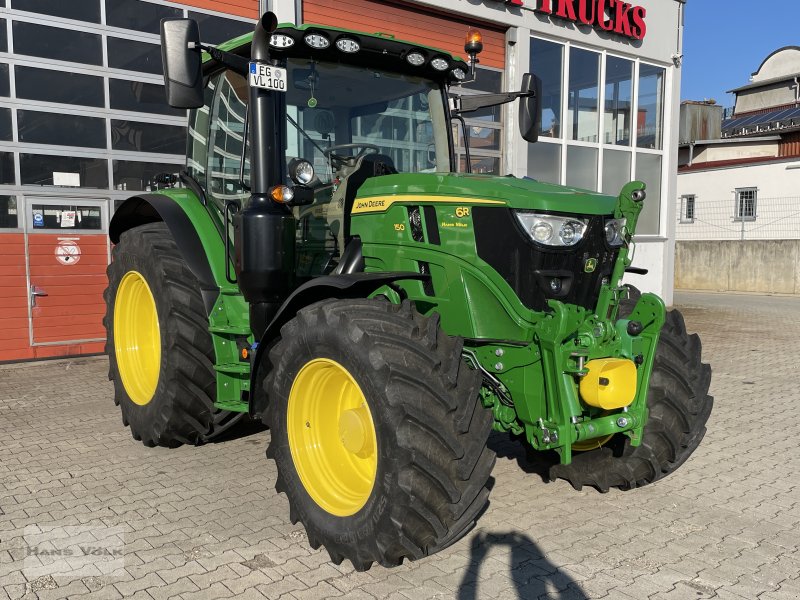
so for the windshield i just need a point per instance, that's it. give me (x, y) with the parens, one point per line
(402, 117)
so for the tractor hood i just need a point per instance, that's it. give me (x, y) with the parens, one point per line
(522, 194)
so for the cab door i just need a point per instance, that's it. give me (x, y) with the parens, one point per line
(68, 251)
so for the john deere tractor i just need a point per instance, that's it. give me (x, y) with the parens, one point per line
(322, 265)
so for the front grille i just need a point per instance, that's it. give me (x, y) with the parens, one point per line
(529, 268)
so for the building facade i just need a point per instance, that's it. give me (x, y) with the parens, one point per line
(738, 180)
(83, 123)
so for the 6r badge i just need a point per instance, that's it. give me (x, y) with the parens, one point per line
(590, 265)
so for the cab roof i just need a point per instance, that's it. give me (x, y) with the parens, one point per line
(376, 49)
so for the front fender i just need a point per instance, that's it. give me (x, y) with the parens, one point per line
(192, 227)
(353, 285)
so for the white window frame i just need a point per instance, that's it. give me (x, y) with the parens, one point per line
(738, 212)
(686, 201)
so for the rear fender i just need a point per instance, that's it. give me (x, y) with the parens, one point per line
(192, 227)
(352, 285)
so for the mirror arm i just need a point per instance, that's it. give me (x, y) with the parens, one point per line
(233, 61)
(465, 104)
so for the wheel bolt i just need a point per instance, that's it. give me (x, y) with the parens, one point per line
(622, 422)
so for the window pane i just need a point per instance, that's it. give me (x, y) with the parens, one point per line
(619, 93)
(584, 75)
(547, 62)
(57, 43)
(5, 86)
(648, 169)
(198, 137)
(141, 16)
(140, 97)
(582, 168)
(3, 36)
(80, 217)
(226, 137)
(481, 164)
(616, 171)
(38, 169)
(544, 162)
(6, 129)
(651, 107)
(148, 137)
(35, 127)
(8, 212)
(81, 10)
(134, 175)
(487, 81)
(134, 56)
(215, 30)
(61, 87)
(7, 175)
(480, 138)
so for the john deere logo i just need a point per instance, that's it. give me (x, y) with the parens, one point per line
(590, 265)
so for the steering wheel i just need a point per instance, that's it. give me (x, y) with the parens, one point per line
(339, 160)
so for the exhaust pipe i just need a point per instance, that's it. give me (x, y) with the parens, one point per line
(264, 231)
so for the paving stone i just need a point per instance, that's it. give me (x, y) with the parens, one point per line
(206, 523)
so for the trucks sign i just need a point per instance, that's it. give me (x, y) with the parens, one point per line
(612, 16)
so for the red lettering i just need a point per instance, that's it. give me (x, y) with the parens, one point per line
(566, 10)
(623, 19)
(545, 7)
(639, 25)
(583, 11)
(605, 24)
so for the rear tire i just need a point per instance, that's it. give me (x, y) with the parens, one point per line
(431, 464)
(177, 405)
(679, 407)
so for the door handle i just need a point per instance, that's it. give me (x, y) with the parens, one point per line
(35, 291)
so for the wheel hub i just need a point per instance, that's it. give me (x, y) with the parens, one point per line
(332, 437)
(137, 338)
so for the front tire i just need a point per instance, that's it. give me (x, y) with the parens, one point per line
(679, 407)
(378, 432)
(161, 358)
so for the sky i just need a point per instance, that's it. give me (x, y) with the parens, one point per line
(725, 41)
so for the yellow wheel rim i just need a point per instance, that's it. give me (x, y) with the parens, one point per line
(137, 338)
(592, 444)
(332, 437)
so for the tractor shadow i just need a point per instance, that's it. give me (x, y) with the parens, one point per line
(532, 462)
(533, 575)
(244, 428)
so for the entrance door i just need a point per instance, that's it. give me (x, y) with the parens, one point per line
(67, 245)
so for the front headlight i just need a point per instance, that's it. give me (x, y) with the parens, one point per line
(301, 171)
(550, 230)
(615, 232)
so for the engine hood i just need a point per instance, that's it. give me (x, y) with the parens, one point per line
(522, 194)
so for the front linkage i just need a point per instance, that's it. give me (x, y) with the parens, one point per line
(585, 376)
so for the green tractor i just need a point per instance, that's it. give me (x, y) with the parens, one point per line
(324, 268)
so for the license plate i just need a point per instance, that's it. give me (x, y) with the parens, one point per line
(267, 77)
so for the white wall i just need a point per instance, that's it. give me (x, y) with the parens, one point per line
(777, 208)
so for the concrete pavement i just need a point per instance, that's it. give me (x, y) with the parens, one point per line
(207, 523)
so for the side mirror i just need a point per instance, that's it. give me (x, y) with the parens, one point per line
(530, 109)
(180, 54)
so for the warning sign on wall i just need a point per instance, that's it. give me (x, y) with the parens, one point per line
(67, 251)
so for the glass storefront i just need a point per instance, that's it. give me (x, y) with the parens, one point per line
(602, 122)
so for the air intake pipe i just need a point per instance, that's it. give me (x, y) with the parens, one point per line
(264, 230)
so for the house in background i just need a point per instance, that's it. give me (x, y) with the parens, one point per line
(738, 211)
